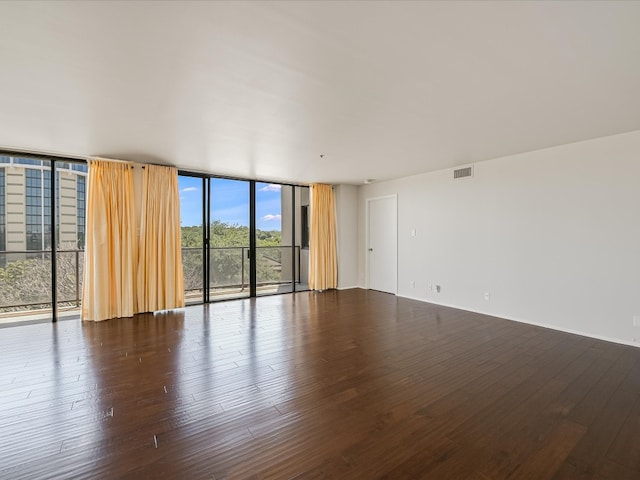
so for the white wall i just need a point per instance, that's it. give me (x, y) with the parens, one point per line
(346, 198)
(552, 235)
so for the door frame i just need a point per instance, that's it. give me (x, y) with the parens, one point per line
(368, 201)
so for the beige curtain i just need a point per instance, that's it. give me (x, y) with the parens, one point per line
(110, 253)
(323, 269)
(160, 280)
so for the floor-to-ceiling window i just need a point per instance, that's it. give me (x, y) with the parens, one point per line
(239, 237)
(192, 222)
(250, 228)
(229, 239)
(34, 223)
(70, 219)
(25, 277)
(274, 238)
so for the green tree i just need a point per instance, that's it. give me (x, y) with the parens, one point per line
(25, 281)
(28, 280)
(229, 246)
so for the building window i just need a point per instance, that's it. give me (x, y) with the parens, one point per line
(46, 211)
(33, 206)
(80, 209)
(27, 161)
(29, 213)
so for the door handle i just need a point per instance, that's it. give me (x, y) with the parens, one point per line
(371, 249)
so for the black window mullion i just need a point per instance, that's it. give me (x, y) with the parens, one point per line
(54, 247)
(206, 224)
(294, 190)
(252, 239)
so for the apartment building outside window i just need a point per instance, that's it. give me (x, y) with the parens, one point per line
(26, 234)
(32, 269)
(81, 212)
(34, 221)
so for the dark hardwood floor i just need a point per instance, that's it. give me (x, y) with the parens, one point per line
(351, 384)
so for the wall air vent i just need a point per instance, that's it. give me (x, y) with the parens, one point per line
(463, 172)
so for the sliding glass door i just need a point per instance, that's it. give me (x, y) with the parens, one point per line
(26, 262)
(42, 236)
(274, 239)
(70, 214)
(242, 238)
(229, 239)
(192, 226)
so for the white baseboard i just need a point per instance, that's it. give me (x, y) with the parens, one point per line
(529, 322)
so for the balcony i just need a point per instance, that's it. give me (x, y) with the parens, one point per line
(25, 278)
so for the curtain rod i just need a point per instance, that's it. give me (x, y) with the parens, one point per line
(117, 160)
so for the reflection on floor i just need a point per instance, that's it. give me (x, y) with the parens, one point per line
(191, 298)
(349, 384)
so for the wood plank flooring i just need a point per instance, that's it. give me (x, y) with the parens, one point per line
(341, 384)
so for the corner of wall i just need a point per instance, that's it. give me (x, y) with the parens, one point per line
(347, 234)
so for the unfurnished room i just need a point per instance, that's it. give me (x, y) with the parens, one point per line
(320, 240)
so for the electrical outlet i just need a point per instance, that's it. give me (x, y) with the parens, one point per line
(436, 288)
(412, 284)
(487, 296)
(636, 320)
(430, 287)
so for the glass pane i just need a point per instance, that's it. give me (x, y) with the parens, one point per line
(191, 192)
(302, 238)
(229, 239)
(25, 240)
(69, 266)
(71, 191)
(274, 247)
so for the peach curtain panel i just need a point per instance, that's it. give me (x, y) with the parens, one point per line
(133, 260)
(110, 252)
(160, 280)
(323, 268)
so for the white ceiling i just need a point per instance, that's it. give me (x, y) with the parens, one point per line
(262, 89)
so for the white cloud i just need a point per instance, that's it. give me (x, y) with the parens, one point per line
(190, 189)
(269, 217)
(272, 187)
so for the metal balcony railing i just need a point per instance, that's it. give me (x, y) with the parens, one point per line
(25, 276)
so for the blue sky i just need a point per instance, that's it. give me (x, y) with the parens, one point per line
(230, 202)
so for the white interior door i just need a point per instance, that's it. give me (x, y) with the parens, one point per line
(382, 244)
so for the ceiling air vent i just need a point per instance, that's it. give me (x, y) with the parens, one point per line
(463, 172)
